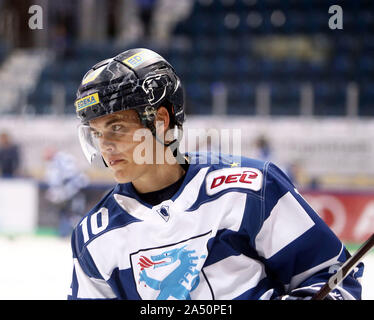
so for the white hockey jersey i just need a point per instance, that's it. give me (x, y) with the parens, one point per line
(236, 229)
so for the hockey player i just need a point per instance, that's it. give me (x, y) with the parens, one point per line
(65, 185)
(208, 226)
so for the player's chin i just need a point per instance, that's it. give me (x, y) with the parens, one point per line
(122, 178)
(124, 174)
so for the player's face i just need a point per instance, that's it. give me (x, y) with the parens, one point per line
(115, 135)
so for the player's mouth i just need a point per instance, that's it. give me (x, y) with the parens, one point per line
(114, 162)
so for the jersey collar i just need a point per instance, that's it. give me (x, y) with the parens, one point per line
(128, 199)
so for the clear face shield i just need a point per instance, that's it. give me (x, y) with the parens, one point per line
(90, 146)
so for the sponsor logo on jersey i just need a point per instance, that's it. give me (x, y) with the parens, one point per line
(88, 101)
(236, 177)
(138, 58)
(171, 272)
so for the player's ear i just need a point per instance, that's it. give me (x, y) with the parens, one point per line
(162, 118)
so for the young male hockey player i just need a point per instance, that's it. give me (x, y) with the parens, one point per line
(207, 226)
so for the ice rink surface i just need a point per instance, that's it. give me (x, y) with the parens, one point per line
(39, 268)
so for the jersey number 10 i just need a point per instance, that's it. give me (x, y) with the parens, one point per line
(95, 226)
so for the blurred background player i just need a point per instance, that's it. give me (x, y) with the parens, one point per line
(65, 188)
(9, 157)
(146, 9)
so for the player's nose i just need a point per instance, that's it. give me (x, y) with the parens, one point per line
(107, 146)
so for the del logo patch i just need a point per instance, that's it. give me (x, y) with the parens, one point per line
(237, 177)
(171, 272)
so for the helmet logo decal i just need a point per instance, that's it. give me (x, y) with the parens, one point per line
(138, 58)
(148, 88)
(88, 101)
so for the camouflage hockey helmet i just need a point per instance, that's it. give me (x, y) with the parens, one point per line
(138, 79)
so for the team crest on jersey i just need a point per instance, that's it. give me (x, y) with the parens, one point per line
(235, 177)
(170, 272)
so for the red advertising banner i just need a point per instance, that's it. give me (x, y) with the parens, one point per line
(349, 214)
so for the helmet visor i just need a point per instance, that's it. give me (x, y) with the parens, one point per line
(90, 146)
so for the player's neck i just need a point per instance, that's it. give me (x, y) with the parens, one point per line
(158, 177)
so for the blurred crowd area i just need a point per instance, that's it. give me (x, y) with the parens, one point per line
(276, 57)
(244, 58)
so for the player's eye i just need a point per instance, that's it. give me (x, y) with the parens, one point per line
(119, 129)
(116, 127)
(95, 134)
